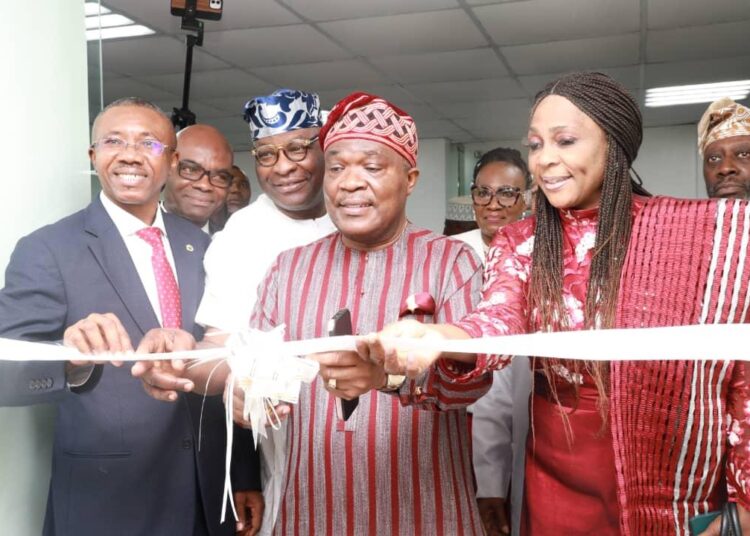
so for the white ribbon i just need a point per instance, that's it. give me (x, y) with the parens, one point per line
(700, 342)
(710, 341)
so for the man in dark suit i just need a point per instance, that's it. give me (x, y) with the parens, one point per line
(123, 463)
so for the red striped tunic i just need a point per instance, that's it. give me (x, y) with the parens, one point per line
(401, 463)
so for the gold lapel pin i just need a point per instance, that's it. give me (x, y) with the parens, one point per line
(189, 247)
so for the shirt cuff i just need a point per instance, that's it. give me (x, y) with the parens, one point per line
(83, 378)
(484, 363)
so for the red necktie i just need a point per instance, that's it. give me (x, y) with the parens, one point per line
(166, 284)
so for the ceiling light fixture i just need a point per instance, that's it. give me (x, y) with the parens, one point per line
(132, 30)
(696, 93)
(107, 21)
(94, 8)
(101, 23)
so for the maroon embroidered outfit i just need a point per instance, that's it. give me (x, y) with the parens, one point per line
(676, 430)
(400, 464)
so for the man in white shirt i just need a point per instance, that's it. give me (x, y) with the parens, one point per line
(198, 186)
(289, 165)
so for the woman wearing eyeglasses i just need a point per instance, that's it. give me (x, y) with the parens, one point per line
(501, 178)
(500, 418)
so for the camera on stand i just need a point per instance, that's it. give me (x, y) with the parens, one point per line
(191, 12)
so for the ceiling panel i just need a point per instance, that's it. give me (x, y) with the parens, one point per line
(232, 105)
(664, 14)
(234, 128)
(254, 14)
(242, 14)
(673, 115)
(443, 66)
(488, 2)
(540, 21)
(422, 112)
(515, 111)
(698, 42)
(280, 45)
(322, 10)
(468, 91)
(118, 88)
(209, 84)
(697, 72)
(432, 31)
(627, 76)
(202, 111)
(493, 130)
(319, 76)
(438, 129)
(396, 94)
(153, 55)
(562, 56)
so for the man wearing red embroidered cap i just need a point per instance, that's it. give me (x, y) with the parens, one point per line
(369, 475)
(401, 463)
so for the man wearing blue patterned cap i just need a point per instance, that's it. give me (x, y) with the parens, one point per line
(289, 165)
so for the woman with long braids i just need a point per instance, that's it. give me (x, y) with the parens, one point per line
(616, 447)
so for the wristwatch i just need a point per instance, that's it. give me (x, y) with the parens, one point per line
(393, 382)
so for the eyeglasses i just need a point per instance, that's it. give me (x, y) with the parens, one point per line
(194, 172)
(506, 196)
(295, 150)
(117, 145)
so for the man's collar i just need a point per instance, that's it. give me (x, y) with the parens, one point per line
(126, 223)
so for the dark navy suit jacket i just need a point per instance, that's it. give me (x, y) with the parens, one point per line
(123, 463)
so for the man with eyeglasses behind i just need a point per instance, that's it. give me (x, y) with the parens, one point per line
(123, 463)
(198, 186)
(289, 213)
(238, 197)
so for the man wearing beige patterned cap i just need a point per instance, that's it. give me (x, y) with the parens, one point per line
(724, 143)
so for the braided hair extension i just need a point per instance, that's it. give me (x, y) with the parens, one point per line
(616, 112)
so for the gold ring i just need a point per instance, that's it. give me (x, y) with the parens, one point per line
(331, 383)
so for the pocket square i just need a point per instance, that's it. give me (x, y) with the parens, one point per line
(421, 303)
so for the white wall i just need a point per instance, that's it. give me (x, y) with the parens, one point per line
(426, 206)
(246, 162)
(668, 161)
(46, 115)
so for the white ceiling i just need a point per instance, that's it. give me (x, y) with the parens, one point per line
(465, 69)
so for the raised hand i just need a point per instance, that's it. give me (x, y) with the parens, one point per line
(383, 347)
(163, 380)
(97, 334)
(347, 375)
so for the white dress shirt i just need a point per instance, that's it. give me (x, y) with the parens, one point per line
(475, 240)
(140, 250)
(240, 255)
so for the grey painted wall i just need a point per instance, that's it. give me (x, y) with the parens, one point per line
(46, 105)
